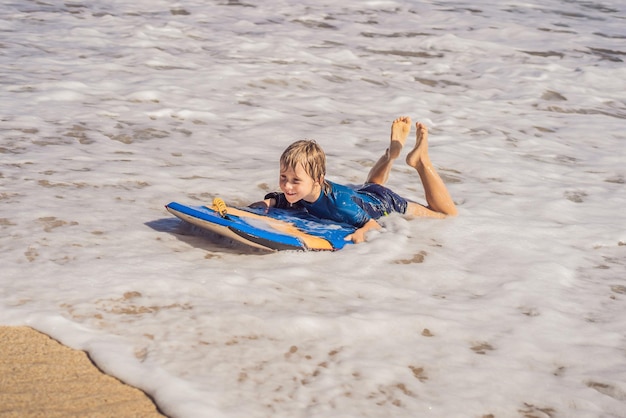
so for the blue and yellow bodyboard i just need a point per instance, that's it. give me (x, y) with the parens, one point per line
(270, 229)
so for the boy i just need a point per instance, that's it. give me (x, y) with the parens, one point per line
(303, 186)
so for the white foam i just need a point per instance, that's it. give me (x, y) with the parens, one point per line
(515, 307)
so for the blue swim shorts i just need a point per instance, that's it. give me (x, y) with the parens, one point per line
(381, 201)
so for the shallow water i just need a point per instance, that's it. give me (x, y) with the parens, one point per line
(514, 308)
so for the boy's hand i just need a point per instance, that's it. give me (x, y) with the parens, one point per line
(358, 236)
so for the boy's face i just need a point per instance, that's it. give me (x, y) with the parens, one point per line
(298, 185)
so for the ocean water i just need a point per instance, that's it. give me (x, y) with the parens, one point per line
(515, 308)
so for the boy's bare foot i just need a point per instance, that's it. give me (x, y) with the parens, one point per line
(420, 150)
(400, 129)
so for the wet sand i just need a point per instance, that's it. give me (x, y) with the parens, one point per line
(39, 377)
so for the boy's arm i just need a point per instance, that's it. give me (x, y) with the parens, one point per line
(359, 235)
(264, 204)
(271, 200)
(276, 200)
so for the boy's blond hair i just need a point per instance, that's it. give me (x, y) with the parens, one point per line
(312, 157)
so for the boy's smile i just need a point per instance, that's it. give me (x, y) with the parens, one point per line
(298, 185)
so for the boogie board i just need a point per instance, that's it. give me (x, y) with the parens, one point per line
(269, 229)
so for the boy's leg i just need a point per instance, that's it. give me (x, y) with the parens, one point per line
(437, 195)
(400, 129)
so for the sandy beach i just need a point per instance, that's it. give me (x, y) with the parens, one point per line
(39, 377)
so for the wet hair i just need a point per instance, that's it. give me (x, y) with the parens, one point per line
(312, 157)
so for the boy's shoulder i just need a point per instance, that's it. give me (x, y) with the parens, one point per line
(343, 188)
